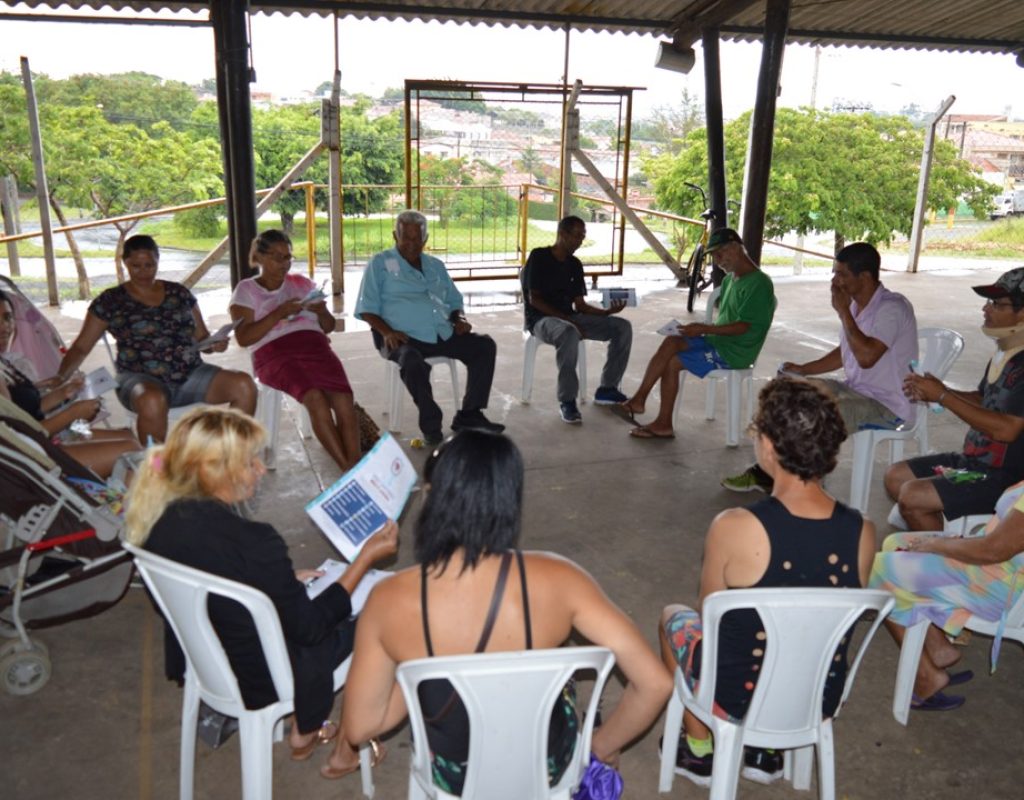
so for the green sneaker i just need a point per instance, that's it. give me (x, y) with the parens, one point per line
(753, 479)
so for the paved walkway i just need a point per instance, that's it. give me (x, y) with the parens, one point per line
(633, 513)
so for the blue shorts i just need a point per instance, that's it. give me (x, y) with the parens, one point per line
(193, 390)
(700, 357)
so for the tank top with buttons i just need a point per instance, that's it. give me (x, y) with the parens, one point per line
(804, 552)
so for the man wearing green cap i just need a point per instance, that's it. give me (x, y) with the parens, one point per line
(954, 485)
(745, 310)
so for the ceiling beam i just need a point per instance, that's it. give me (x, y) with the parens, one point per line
(413, 10)
(688, 27)
(868, 38)
(79, 19)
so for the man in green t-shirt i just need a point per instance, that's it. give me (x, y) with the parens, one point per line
(745, 310)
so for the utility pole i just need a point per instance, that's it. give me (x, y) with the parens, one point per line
(798, 258)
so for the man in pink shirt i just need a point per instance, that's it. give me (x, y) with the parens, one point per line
(877, 346)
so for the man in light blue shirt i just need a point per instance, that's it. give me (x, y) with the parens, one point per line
(415, 312)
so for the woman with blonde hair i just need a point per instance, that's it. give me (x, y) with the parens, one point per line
(182, 506)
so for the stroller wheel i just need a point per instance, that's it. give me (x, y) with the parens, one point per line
(25, 672)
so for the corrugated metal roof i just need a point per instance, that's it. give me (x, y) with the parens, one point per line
(973, 26)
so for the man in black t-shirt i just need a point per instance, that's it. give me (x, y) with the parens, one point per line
(557, 314)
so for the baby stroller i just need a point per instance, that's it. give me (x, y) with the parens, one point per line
(35, 337)
(61, 559)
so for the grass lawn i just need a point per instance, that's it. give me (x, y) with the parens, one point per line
(363, 237)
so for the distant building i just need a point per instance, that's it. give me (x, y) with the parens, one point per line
(991, 142)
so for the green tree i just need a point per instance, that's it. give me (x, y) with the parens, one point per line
(668, 126)
(854, 174)
(72, 140)
(15, 152)
(530, 160)
(136, 98)
(372, 154)
(455, 99)
(518, 118)
(440, 174)
(138, 172)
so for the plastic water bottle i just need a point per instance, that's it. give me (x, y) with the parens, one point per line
(935, 408)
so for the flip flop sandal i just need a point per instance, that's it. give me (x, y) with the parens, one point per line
(937, 702)
(623, 413)
(378, 752)
(960, 678)
(644, 432)
(326, 733)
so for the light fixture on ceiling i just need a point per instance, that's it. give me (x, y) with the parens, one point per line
(676, 58)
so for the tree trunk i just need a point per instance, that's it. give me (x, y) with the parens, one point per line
(840, 241)
(118, 253)
(287, 222)
(76, 253)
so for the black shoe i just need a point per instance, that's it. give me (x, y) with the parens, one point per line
(690, 766)
(475, 421)
(570, 413)
(762, 766)
(433, 439)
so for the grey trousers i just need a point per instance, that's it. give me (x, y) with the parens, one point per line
(566, 340)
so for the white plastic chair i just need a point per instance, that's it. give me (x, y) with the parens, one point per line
(737, 382)
(939, 349)
(268, 413)
(530, 345)
(913, 644)
(396, 389)
(509, 698)
(803, 627)
(182, 592)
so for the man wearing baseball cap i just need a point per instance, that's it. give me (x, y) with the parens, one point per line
(957, 484)
(745, 310)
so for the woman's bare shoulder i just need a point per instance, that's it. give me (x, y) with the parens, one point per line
(545, 565)
(399, 581)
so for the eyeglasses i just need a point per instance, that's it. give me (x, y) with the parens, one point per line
(999, 303)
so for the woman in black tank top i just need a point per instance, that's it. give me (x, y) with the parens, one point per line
(799, 536)
(472, 591)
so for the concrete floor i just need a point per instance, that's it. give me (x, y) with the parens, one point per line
(633, 513)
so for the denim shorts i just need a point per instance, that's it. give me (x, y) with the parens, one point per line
(193, 390)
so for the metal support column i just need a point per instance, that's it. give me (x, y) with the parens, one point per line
(762, 127)
(231, 45)
(714, 126)
(42, 190)
(12, 225)
(921, 204)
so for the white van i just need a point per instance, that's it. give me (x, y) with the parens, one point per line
(1008, 204)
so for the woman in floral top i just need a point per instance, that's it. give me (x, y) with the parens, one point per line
(156, 324)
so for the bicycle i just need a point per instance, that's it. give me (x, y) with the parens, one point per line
(695, 278)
